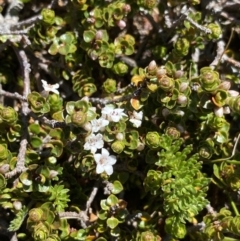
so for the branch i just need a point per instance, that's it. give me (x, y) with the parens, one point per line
(91, 198)
(12, 95)
(82, 216)
(20, 166)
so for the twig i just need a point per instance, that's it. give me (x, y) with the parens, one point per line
(233, 153)
(12, 95)
(198, 26)
(91, 198)
(82, 216)
(220, 52)
(234, 62)
(53, 123)
(28, 21)
(20, 166)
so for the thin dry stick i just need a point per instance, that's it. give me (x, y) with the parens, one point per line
(82, 216)
(12, 95)
(220, 51)
(234, 62)
(20, 166)
(228, 43)
(91, 198)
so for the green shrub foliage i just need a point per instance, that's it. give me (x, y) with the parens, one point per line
(119, 120)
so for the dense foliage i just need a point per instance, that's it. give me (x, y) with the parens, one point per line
(119, 120)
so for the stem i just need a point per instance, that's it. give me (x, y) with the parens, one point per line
(234, 207)
(233, 154)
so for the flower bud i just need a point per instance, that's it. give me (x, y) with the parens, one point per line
(87, 126)
(4, 168)
(182, 100)
(53, 174)
(183, 86)
(17, 205)
(179, 74)
(99, 35)
(226, 110)
(140, 146)
(161, 71)
(218, 111)
(225, 85)
(121, 24)
(126, 8)
(233, 93)
(119, 136)
(152, 67)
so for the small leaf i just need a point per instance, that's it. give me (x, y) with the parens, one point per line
(112, 222)
(88, 36)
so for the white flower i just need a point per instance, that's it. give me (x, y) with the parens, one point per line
(93, 142)
(48, 87)
(112, 114)
(136, 118)
(99, 124)
(104, 162)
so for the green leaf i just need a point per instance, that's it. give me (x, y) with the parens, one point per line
(112, 200)
(16, 223)
(112, 222)
(88, 35)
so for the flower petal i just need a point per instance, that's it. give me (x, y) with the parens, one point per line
(112, 160)
(97, 157)
(99, 169)
(109, 169)
(105, 152)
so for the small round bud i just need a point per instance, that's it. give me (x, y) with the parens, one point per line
(152, 67)
(218, 111)
(140, 146)
(121, 24)
(120, 136)
(99, 35)
(233, 93)
(87, 126)
(225, 85)
(179, 74)
(126, 8)
(17, 205)
(226, 110)
(182, 100)
(161, 71)
(183, 86)
(53, 174)
(4, 168)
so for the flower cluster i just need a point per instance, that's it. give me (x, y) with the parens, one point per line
(93, 141)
